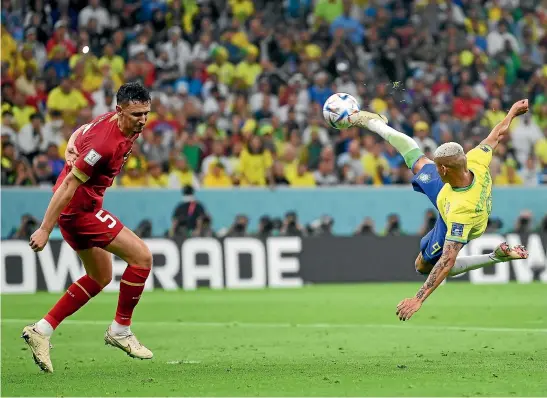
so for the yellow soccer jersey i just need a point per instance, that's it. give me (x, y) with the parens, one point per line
(465, 211)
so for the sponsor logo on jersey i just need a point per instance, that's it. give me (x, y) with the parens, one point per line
(485, 148)
(457, 229)
(425, 178)
(92, 157)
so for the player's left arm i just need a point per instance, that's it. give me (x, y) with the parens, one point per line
(441, 269)
(408, 307)
(501, 129)
(71, 152)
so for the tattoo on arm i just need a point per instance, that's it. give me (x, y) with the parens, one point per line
(440, 270)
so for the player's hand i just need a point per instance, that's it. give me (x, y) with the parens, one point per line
(408, 307)
(39, 239)
(71, 154)
(519, 107)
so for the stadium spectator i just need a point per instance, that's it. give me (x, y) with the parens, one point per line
(365, 228)
(217, 177)
(325, 174)
(144, 229)
(291, 226)
(524, 225)
(134, 175)
(217, 156)
(35, 137)
(56, 163)
(508, 174)
(156, 177)
(393, 225)
(278, 174)
(182, 175)
(220, 72)
(376, 165)
(353, 160)
(265, 227)
(321, 227)
(204, 227)
(43, 172)
(429, 222)
(187, 213)
(94, 11)
(530, 174)
(255, 162)
(68, 100)
(303, 178)
(239, 227)
(26, 228)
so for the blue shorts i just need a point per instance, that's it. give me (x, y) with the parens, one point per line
(428, 181)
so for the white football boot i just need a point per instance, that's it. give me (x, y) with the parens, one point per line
(361, 118)
(39, 345)
(127, 343)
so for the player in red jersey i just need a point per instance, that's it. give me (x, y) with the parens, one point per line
(96, 153)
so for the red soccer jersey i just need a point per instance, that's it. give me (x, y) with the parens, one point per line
(103, 150)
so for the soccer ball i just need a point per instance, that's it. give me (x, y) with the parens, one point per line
(338, 108)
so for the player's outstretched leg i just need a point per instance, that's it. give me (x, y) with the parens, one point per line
(98, 265)
(134, 251)
(404, 144)
(501, 254)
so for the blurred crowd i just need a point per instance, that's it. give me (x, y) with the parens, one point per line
(238, 85)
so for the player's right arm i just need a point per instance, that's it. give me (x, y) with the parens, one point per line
(499, 131)
(61, 198)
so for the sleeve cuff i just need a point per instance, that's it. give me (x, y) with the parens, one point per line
(459, 240)
(80, 175)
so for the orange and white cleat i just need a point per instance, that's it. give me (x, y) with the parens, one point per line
(507, 253)
(127, 343)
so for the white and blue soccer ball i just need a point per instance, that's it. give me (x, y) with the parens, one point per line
(338, 110)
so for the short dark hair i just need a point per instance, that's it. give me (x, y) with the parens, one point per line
(37, 115)
(132, 92)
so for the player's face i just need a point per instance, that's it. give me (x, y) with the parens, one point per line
(133, 116)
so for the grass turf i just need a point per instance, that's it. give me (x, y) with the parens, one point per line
(326, 340)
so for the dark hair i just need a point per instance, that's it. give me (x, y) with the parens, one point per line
(132, 92)
(37, 115)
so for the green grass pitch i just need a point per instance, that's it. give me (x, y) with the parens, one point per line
(330, 340)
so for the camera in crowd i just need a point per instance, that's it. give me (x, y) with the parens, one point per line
(365, 228)
(28, 225)
(321, 227)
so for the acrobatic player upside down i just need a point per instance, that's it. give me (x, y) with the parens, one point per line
(95, 155)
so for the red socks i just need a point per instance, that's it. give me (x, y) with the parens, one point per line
(76, 296)
(81, 291)
(131, 288)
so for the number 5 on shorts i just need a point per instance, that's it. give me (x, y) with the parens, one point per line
(105, 218)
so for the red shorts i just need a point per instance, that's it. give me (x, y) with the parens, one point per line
(86, 230)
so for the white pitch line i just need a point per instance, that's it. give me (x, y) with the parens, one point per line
(300, 325)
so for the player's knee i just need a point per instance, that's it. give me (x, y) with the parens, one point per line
(145, 257)
(102, 279)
